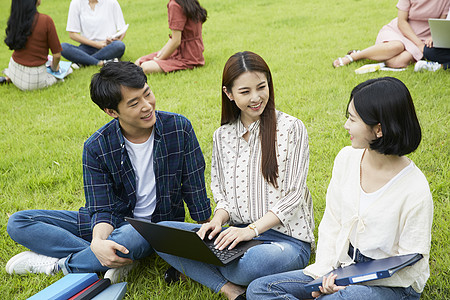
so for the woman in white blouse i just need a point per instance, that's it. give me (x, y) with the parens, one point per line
(259, 169)
(378, 203)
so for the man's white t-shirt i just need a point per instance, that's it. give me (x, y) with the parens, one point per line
(98, 24)
(141, 156)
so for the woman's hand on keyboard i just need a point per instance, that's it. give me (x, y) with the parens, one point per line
(213, 227)
(209, 230)
(233, 236)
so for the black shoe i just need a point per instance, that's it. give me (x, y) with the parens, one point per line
(241, 297)
(171, 275)
(3, 80)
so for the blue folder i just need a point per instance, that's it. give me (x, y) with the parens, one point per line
(366, 271)
(66, 287)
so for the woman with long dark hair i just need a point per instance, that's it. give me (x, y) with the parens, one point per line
(31, 34)
(258, 180)
(184, 49)
(378, 204)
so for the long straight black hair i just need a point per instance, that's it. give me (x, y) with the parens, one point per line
(236, 65)
(193, 10)
(20, 23)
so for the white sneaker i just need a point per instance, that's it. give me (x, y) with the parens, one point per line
(120, 273)
(75, 66)
(31, 262)
(106, 61)
(423, 65)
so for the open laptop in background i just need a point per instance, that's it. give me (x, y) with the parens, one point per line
(440, 32)
(188, 244)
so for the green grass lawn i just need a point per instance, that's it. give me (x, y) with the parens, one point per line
(42, 132)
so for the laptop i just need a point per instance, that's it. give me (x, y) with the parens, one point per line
(188, 244)
(440, 32)
(367, 271)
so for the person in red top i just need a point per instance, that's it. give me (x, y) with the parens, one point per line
(31, 34)
(184, 50)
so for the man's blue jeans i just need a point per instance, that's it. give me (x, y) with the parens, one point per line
(290, 285)
(55, 233)
(86, 55)
(279, 253)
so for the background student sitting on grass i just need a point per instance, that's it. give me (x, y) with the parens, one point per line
(92, 23)
(144, 163)
(30, 34)
(438, 58)
(401, 42)
(184, 49)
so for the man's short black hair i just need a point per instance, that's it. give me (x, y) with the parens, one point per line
(387, 101)
(105, 85)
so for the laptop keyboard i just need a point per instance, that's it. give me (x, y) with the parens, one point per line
(224, 254)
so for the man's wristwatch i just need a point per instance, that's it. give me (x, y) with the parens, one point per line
(253, 227)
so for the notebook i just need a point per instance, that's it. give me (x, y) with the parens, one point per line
(113, 292)
(188, 244)
(376, 67)
(366, 271)
(92, 290)
(64, 69)
(66, 287)
(440, 32)
(120, 32)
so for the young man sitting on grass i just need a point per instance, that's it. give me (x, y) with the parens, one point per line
(142, 164)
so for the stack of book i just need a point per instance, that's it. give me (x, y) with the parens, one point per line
(82, 286)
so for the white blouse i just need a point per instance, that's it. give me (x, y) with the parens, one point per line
(98, 24)
(397, 223)
(239, 187)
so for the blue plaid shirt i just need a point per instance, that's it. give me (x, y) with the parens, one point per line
(109, 179)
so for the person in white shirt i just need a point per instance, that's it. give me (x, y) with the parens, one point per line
(258, 180)
(94, 24)
(378, 203)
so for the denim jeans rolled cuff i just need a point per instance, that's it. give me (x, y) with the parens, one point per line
(86, 55)
(63, 264)
(278, 253)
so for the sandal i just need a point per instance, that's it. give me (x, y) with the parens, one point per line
(341, 62)
(353, 51)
